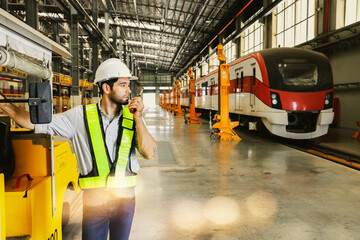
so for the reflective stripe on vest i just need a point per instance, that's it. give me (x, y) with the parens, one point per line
(119, 180)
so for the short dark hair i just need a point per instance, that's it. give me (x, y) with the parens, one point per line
(109, 82)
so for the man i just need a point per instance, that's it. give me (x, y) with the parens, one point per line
(104, 137)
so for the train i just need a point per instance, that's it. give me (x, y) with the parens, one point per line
(289, 91)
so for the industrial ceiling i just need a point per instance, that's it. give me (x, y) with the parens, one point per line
(162, 35)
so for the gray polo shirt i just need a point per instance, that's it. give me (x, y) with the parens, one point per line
(70, 124)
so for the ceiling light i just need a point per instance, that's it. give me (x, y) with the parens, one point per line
(138, 43)
(145, 55)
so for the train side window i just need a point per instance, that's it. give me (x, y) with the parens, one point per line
(254, 76)
(242, 82)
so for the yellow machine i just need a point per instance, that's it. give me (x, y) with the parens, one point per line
(223, 124)
(26, 200)
(169, 101)
(192, 117)
(35, 171)
(178, 110)
(164, 99)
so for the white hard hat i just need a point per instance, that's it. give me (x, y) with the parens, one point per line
(112, 68)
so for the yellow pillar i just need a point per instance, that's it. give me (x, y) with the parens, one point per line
(192, 116)
(357, 134)
(168, 107)
(178, 91)
(165, 99)
(224, 125)
(173, 98)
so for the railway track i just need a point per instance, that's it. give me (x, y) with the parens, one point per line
(334, 155)
(309, 146)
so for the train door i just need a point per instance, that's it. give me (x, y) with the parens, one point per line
(212, 98)
(239, 81)
(198, 102)
(253, 87)
(204, 94)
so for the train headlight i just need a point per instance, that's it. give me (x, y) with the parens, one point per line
(275, 100)
(328, 100)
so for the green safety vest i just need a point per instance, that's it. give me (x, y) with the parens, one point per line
(105, 173)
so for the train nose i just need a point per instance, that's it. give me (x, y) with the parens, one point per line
(302, 122)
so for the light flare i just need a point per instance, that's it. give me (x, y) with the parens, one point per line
(221, 210)
(262, 204)
(187, 215)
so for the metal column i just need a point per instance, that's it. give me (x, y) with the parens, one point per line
(120, 48)
(95, 62)
(32, 19)
(95, 11)
(32, 13)
(157, 95)
(82, 71)
(4, 5)
(74, 39)
(114, 36)
(127, 56)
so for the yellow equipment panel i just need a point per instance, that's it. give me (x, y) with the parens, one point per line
(2, 207)
(29, 206)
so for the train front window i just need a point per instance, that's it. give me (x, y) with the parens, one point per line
(300, 75)
(297, 74)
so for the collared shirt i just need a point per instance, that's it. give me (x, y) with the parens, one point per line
(70, 124)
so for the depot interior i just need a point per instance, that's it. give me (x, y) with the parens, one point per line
(159, 41)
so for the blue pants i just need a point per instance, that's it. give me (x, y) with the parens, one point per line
(102, 212)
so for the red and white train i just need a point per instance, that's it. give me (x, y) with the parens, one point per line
(288, 90)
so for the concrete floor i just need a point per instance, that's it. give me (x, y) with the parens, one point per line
(254, 189)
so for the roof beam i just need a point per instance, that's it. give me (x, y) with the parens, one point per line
(88, 20)
(198, 13)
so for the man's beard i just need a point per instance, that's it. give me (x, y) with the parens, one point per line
(119, 101)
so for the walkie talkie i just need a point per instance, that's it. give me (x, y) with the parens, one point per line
(133, 110)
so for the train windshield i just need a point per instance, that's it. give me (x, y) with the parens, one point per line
(299, 72)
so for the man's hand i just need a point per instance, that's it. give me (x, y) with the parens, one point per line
(19, 115)
(137, 104)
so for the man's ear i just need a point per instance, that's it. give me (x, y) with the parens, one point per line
(106, 88)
